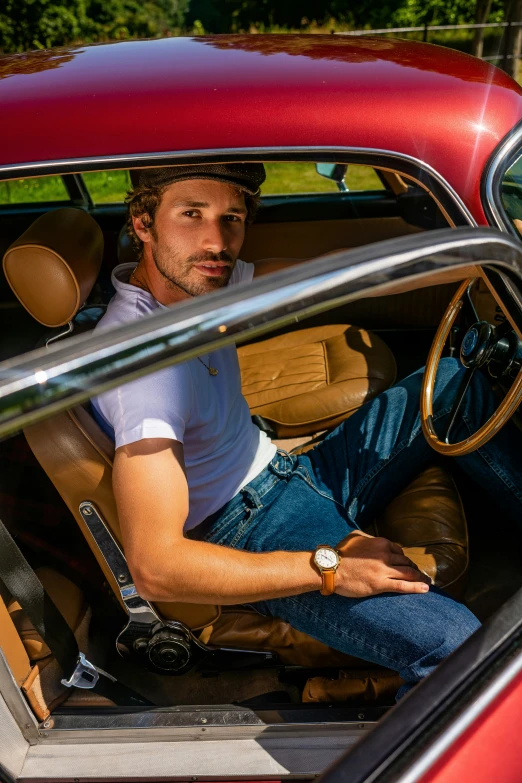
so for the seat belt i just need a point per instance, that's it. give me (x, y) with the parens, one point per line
(24, 585)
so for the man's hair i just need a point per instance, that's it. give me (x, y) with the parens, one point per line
(143, 201)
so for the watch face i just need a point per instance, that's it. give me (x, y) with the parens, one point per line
(326, 558)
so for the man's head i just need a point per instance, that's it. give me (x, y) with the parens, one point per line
(188, 222)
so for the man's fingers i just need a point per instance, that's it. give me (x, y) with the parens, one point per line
(403, 586)
(402, 560)
(395, 548)
(408, 573)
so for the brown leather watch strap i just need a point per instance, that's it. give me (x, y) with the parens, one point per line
(328, 576)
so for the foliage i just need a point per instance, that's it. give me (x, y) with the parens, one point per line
(37, 24)
(221, 16)
(41, 24)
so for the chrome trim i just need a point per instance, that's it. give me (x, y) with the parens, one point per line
(245, 152)
(69, 330)
(18, 707)
(494, 211)
(463, 722)
(137, 608)
(39, 384)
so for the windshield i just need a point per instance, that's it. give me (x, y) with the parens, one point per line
(511, 191)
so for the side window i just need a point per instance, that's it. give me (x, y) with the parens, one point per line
(511, 193)
(107, 187)
(110, 187)
(33, 191)
(289, 178)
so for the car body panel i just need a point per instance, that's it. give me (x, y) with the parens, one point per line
(174, 95)
(489, 749)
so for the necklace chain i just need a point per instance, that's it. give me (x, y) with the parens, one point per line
(211, 370)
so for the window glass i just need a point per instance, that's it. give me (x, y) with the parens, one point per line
(512, 193)
(107, 187)
(281, 178)
(33, 190)
(286, 178)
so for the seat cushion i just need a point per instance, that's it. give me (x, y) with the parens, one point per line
(426, 518)
(428, 521)
(312, 379)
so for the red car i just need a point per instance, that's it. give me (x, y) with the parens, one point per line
(389, 162)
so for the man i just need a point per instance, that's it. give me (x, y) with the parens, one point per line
(211, 512)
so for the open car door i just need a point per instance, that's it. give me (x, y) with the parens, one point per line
(246, 741)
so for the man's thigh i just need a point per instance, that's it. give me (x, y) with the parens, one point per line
(375, 453)
(411, 634)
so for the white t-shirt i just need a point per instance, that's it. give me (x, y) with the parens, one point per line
(223, 449)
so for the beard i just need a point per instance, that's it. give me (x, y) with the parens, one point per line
(179, 273)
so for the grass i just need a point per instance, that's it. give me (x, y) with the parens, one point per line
(110, 187)
(28, 191)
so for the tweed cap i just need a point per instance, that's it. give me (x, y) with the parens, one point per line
(247, 176)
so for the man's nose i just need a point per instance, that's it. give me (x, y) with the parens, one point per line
(215, 239)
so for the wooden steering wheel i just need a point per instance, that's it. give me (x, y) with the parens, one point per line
(483, 344)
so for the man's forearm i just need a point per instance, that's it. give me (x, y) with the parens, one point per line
(198, 572)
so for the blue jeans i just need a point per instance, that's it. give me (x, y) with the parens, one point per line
(298, 502)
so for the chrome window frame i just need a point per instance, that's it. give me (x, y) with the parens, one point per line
(38, 384)
(377, 158)
(502, 158)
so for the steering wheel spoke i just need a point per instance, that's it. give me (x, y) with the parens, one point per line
(459, 399)
(469, 312)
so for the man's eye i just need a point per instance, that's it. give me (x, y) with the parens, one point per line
(191, 213)
(233, 218)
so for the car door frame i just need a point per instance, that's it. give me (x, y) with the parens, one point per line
(42, 383)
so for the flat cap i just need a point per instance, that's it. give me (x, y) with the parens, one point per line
(247, 176)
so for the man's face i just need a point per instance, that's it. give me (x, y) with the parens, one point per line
(198, 231)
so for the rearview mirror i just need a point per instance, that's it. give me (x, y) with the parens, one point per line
(335, 172)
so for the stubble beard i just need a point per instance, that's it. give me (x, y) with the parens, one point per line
(178, 275)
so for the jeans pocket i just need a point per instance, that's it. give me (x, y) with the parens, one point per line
(229, 530)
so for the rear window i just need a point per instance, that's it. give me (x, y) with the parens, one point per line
(33, 191)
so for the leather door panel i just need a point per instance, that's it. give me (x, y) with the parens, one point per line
(315, 237)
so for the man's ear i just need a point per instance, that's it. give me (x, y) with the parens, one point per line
(140, 227)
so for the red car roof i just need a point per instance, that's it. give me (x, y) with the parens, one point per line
(178, 94)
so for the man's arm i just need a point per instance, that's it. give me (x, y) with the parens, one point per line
(152, 497)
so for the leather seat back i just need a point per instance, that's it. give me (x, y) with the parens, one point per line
(77, 456)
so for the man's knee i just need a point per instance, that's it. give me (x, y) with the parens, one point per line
(451, 625)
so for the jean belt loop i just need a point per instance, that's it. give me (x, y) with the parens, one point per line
(251, 497)
(281, 464)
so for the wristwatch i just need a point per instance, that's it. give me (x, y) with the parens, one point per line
(327, 560)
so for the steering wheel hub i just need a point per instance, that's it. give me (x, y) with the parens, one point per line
(477, 344)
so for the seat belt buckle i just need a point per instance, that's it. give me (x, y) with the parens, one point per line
(85, 675)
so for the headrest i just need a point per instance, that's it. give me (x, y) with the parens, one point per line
(53, 266)
(127, 253)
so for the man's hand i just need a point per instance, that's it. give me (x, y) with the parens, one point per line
(370, 566)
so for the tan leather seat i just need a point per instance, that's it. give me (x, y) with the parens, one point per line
(32, 664)
(312, 379)
(77, 456)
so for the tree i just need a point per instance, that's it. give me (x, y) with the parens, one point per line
(42, 24)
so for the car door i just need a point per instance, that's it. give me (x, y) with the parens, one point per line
(262, 743)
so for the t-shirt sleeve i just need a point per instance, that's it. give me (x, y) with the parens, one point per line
(242, 273)
(155, 406)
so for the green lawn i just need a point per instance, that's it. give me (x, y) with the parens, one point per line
(111, 186)
(24, 191)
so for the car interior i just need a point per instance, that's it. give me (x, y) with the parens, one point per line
(59, 247)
